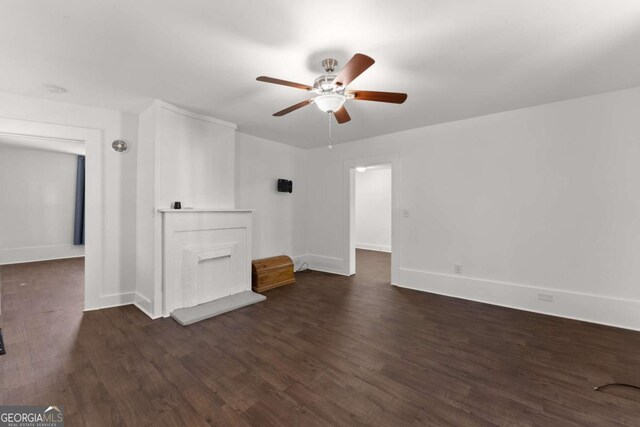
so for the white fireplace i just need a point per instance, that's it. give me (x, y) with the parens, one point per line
(206, 256)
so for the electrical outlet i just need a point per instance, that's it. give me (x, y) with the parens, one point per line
(457, 268)
(545, 297)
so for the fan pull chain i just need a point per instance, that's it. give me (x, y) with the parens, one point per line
(330, 129)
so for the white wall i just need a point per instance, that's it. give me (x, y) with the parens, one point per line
(537, 200)
(118, 189)
(278, 218)
(196, 161)
(37, 205)
(373, 209)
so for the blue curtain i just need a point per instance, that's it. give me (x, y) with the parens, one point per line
(78, 229)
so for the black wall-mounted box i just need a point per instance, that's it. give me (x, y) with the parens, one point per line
(285, 186)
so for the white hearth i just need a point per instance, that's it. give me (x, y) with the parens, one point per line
(206, 258)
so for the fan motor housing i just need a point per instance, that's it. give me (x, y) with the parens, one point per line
(324, 83)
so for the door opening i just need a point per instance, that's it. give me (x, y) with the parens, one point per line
(373, 207)
(373, 234)
(42, 208)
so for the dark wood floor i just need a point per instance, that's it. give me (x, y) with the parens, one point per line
(328, 350)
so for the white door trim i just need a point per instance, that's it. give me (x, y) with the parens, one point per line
(92, 138)
(349, 214)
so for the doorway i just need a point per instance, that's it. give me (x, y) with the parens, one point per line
(54, 137)
(42, 225)
(372, 214)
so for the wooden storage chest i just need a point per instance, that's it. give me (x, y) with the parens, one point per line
(269, 273)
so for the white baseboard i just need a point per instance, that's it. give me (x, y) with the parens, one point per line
(113, 300)
(321, 263)
(298, 260)
(117, 300)
(39, 253)
(618, 312)
(372, 247)
(144, 304)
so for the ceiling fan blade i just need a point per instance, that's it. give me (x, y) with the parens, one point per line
(367, 95)
(293, 108)
(356, 66)
(283, 82)
(342, 116)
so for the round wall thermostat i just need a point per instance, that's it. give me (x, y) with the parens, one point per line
(120, 145)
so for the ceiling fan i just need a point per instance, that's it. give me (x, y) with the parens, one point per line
(331, 89)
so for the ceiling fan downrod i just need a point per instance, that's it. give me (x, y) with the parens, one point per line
(329, 65)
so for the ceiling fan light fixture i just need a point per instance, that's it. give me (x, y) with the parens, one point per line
(330, 102)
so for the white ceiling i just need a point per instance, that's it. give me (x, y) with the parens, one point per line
(455, 59)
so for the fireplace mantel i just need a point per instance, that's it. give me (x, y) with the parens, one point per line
(187, 210)
(206, 256)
